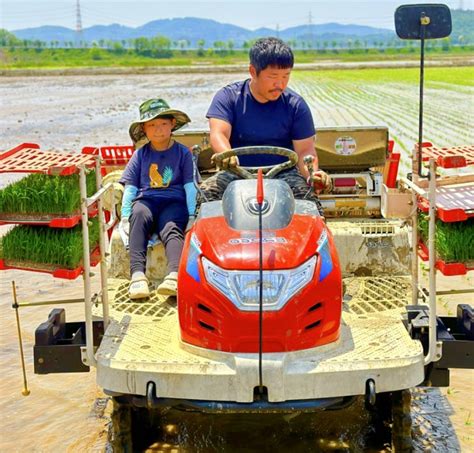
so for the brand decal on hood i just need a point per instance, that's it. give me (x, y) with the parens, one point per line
(254, 207)
(255, 240)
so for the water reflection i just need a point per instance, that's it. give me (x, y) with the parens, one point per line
(344, 430)
(353, 429)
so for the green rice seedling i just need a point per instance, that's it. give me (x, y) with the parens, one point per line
(50, 247)
(39, 195)
(454, 242)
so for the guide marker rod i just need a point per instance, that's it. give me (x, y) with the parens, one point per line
(25, 391)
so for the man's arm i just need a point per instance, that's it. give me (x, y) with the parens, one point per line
(303, 148)
(220, 131)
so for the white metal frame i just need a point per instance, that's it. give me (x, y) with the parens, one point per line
(434, 347)
(88, 353)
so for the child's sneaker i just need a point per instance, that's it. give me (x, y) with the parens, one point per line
(169, 285)
(138, 288)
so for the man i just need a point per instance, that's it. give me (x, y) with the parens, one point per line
(263, 111)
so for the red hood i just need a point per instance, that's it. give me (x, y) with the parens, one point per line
(282, 249)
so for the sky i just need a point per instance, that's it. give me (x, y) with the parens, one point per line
(19, 14)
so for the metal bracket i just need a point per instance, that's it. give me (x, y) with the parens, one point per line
(438, 351)
(84, 358)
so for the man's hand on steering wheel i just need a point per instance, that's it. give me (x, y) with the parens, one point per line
(228, 163)
(251, 172)
(320, 181)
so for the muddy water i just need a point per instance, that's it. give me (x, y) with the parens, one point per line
(68, 412)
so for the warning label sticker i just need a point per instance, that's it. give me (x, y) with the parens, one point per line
(345, 145)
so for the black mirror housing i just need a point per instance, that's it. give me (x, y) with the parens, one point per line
(409, 18)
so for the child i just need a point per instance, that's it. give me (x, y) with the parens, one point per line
(159, 195)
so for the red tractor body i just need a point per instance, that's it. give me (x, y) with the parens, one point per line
(219, 277)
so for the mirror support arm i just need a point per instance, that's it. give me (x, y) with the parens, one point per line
(424, 21)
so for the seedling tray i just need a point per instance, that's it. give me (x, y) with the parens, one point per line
(111, 157)
(453, 203)
(453, 157)
(57, 272)
(29, 158)
(448, 269)
(49, 220)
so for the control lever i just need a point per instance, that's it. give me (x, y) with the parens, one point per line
(309, 163)
(196, 151)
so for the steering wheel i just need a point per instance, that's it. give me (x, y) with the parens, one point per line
(250, 172)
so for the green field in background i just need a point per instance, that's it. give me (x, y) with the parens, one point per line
(463, 75)
(94, 57)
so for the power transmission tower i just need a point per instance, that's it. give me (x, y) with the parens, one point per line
(78, 24)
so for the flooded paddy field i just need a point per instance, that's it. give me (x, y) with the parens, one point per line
(68, 412)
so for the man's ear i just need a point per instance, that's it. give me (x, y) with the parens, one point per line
(173, 123)
(252, 71)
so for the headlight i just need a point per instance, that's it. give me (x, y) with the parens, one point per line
(192, 267)
(242, 287)
(324, 255)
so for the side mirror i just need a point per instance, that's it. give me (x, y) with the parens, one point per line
(422, 22)
(436, 19)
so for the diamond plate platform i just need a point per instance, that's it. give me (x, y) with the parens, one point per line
(142, 345)
(125, 310)
(364, 295)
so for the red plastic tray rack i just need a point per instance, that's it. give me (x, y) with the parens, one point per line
(449, 157)
(453, 203)
(29, 158)
(49, 221)
(448, 269)
(69, 274)
(111, 156)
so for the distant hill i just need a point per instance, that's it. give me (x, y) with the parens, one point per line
(463, 26)
(191, 30)
(194, 29)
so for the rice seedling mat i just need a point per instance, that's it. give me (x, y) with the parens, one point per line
(448, 269)
(55, 271)
(55, 251)
(453, 157)
(47, 220)
(29, 158)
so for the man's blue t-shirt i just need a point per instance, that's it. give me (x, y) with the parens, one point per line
(160, 175)
(274, 123)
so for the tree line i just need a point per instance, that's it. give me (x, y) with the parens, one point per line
(163, 47)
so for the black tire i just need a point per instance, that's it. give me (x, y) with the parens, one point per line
(120, 434)
(133, 428)
(402, 440)
(391, 420)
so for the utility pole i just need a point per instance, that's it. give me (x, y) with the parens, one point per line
(78, 24)
(310, 27)
(277, 30)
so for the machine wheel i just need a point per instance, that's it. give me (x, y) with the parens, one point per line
(402, 440)
(121, 427)
(133, 428)
(392, 420)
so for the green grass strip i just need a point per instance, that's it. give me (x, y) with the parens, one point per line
(454, 241)
(463, 76)
(58, 247)
(44, 194)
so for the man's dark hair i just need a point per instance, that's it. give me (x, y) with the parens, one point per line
(270, 52)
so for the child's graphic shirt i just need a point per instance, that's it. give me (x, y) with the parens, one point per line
(160, 175)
